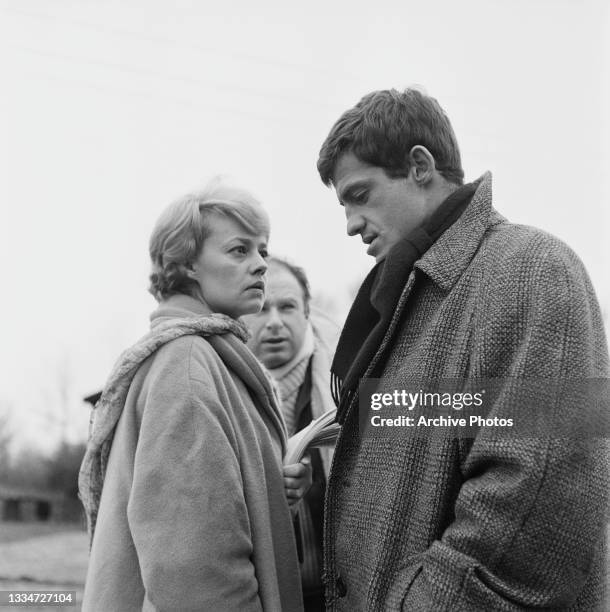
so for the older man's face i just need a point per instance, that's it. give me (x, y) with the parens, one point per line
(278, 330)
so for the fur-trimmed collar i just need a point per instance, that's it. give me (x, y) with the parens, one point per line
(178, 316)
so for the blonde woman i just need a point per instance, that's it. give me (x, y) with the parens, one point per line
(182, 480)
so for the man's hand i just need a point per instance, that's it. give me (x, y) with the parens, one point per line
(297, 480)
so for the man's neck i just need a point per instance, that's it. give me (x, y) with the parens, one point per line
(439, 191)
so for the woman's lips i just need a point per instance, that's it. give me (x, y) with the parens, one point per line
(258, 286)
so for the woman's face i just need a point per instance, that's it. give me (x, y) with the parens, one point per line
(230, 268)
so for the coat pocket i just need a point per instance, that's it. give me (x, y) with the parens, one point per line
(406, 575)
(478, 595)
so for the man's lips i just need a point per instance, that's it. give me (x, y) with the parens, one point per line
(372, 245)
(273, 341)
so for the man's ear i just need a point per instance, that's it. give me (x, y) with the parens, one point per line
(422, 165)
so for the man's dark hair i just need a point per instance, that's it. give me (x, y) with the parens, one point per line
(382, 129)
(299, 274)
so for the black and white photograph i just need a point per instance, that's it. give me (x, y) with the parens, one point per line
(306, 306)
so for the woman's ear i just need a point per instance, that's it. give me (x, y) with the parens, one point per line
(422, 165)
(190, 270)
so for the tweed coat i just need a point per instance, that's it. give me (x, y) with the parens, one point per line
(193, 513)
(490, 523)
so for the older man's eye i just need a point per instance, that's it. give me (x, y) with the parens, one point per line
(360, 196)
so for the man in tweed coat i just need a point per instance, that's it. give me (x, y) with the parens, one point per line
(441, 522)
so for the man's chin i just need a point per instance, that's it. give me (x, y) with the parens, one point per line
(274, 361)
(274, 365)
(378, 256)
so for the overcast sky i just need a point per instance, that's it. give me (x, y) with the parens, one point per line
(111, 109)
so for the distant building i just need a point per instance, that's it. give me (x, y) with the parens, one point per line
(22, 503)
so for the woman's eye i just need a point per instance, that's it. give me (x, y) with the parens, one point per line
(241, 250)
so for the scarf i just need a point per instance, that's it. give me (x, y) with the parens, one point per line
(372, 311)
(227, 337)
(290, 377)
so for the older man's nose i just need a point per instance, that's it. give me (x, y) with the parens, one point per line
(273, 319)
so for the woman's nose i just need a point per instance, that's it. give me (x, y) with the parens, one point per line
(260, 264)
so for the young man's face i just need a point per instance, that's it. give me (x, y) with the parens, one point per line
(381, 209)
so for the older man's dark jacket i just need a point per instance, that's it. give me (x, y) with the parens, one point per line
(495, 522)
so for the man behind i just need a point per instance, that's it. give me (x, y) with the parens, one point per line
(438, 522)
(296, 345)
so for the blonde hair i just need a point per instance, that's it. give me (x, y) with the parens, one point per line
(178, 235)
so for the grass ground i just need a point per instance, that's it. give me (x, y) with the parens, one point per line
(43, 557)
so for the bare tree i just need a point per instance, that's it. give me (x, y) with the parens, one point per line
(6, 435)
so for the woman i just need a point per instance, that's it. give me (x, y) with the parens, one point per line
(188, 439)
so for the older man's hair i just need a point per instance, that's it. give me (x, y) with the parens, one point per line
(382, 129)
(299, 274)
(182, 228)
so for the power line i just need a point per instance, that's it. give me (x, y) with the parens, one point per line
(146, 72)
(187, 45)
(194, 105)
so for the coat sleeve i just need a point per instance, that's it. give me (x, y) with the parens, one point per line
(530, 517)
(187, 513)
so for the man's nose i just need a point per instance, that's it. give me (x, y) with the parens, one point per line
(274, 321)
(355, 223)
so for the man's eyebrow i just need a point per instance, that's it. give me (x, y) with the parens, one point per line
(346, 193)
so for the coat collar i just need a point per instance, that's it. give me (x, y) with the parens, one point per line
(449, 256)
(178, 305)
